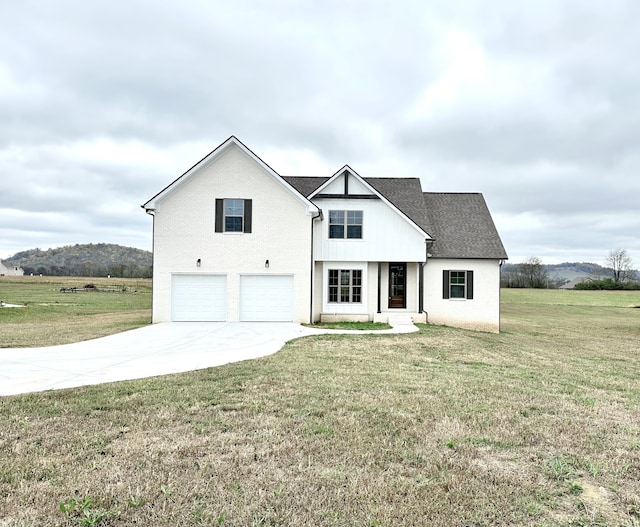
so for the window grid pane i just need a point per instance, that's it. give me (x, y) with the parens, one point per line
(336, 231)
(234, 207)
(356, 294)
(333, 293)
(233, 215)
(345, 285)
(336, 216)
(354, 217)
(457, 284)
(336, 224)
(354, 224)
(354, 231)
(345, 224)
(233, 224)
(344, 294)
(457, 291)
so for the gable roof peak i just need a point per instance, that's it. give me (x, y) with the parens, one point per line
(232, 140)
(346, 168)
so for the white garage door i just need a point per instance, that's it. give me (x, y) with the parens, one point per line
(266, 298)
(198, 298)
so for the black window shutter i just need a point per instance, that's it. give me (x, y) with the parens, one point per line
(219, 214)
(247, 215)
(445, 284)
(469, 285)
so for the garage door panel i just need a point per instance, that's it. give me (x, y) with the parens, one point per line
(266, 298)
(198, 298)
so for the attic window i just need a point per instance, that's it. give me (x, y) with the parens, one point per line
(345, 224)
(233, 215)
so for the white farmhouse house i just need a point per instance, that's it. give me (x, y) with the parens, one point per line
(235, 241)
(10, 270)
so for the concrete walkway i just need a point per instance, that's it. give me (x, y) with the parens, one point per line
(158, 349)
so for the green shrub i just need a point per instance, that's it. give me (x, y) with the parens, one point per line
(608, 284)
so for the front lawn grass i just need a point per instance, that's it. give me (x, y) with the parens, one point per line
(538, 426)
(357, 326)
(51, 317)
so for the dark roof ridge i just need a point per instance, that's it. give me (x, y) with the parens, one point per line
(452, 193)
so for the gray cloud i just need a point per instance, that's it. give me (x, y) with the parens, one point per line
(535, 105)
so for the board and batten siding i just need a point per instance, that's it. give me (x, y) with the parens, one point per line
(482, 312)
(184, 232)
(385, 234)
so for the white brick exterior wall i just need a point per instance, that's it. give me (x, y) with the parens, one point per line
(481, 313)
(184, 231)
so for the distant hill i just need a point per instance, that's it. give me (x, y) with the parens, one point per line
(572, 270)
(101, 259)
(563, 273)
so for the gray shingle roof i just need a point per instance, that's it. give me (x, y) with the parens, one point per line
(460, 223)
(406, 194)
(462, 226)
(305, 185)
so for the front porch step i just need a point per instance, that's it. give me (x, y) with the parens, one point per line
(400, 319)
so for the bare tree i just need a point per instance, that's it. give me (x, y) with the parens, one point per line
(621, 265)
(533, 273)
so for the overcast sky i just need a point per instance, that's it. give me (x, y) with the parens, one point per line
(534, 104)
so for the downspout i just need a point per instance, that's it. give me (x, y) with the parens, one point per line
(500, 297)
(313, 218)
(427, 244)
(152, 213)
(379, 285)
(421, 288)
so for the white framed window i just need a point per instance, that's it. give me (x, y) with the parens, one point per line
(233, 215)
(457, 285)
(345, 224)
(345, 286)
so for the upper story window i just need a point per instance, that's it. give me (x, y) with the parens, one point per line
(233, 215)
(345, 224)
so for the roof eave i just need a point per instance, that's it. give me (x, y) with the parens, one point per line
(376, 192)
(151, 205)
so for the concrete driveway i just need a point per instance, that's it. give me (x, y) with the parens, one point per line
(158, 349)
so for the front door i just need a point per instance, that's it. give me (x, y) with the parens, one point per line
(397, 285)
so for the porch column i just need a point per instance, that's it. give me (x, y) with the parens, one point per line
(420, 287)
(379, 284)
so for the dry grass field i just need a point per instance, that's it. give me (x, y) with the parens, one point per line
(50, 316)
(537, 426)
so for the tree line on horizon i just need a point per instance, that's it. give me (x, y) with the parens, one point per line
(617, 274)
(91, 260)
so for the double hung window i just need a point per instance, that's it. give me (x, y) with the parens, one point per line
(345, 224)
(345, 285)
(233, 215)
(457, 284)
